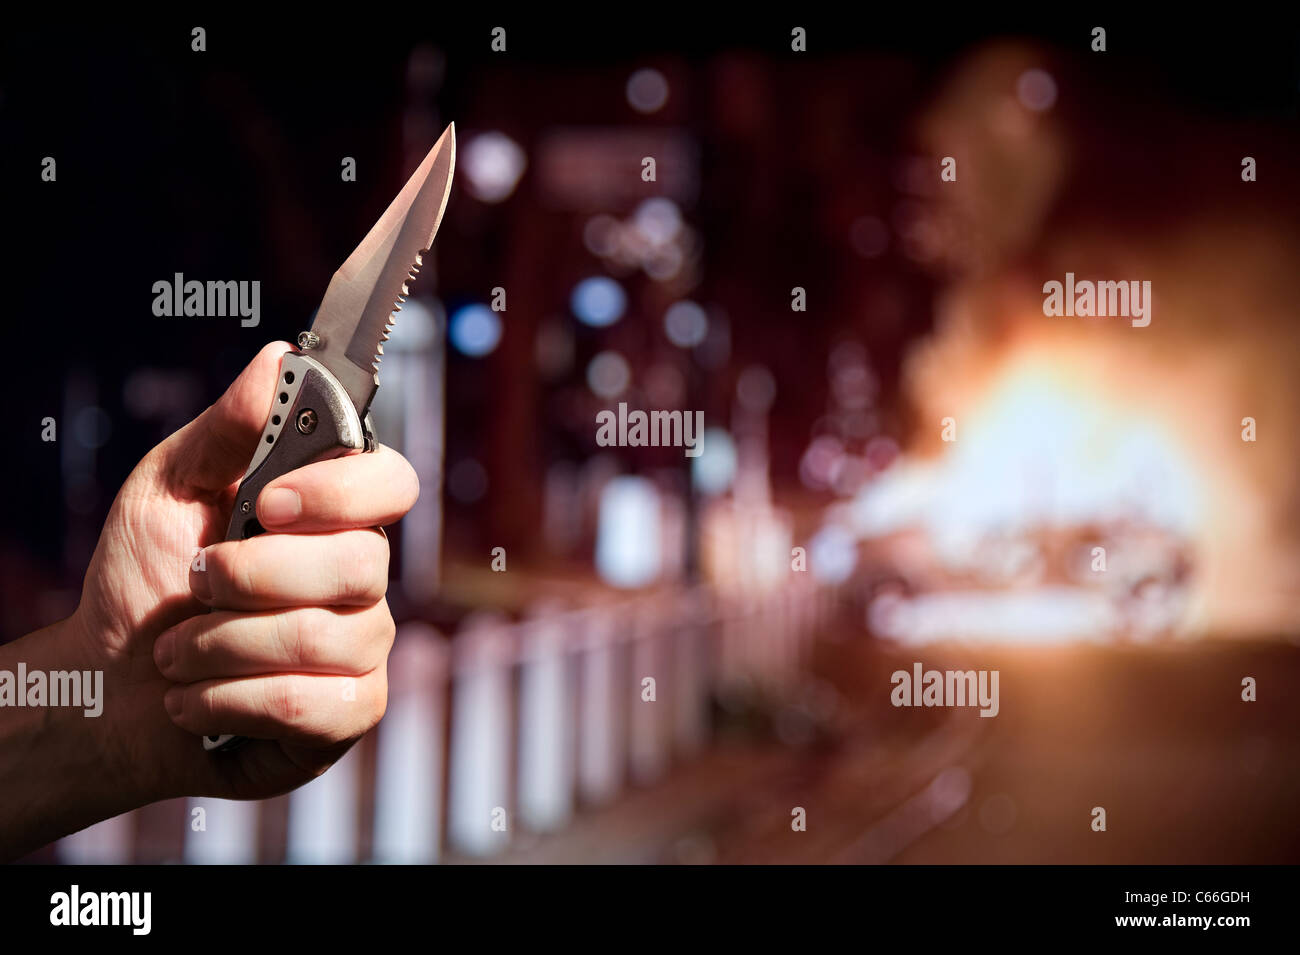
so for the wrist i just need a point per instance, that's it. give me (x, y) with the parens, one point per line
(108, 735)
(59, 771)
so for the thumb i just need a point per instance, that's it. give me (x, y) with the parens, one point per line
(212, 451)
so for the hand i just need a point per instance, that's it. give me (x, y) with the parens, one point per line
(294, 654)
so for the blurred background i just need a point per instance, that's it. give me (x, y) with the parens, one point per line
(828, 534)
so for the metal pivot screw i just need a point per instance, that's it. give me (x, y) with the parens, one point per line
(246, 506)
(308, 340)
(306, 421)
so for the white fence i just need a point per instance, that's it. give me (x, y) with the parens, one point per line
(507, 727)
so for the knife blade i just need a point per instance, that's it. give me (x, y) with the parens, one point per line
(325, 386)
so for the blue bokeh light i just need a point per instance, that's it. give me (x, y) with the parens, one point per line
(474, 330)
(598, 301)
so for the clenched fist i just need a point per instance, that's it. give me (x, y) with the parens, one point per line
(282, 637)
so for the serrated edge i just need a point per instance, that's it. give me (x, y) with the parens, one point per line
(411, 274)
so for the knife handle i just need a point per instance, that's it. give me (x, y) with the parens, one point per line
(312, 418)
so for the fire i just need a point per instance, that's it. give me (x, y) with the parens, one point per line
(1043, 450)
(1070, 498)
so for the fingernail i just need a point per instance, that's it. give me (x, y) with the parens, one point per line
(174, 700)
(279, 505)
(201, 585)
(164, 651)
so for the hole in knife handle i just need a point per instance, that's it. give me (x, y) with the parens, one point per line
(284, 397)
(288, 378)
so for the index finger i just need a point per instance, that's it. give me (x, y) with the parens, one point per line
(357, 490)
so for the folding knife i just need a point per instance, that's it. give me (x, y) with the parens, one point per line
(321, 408)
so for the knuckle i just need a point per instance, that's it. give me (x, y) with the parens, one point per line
(216, 564)
(409, 481)
(246, 576)
(387, 626)
(364, 569)
(378, 631)
(200, 705)
(325, 632)
(346, 567)
(234, 569)
(379, 558)
(288, 702)
(291, 635)
(196, 649)
(378, 701)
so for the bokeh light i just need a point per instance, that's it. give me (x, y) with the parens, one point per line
(608, 374)
(493, 164)
(714, 470)
(647, 90)
(1036, 90)
(685, 324)
(475, 330)
(598, 301)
